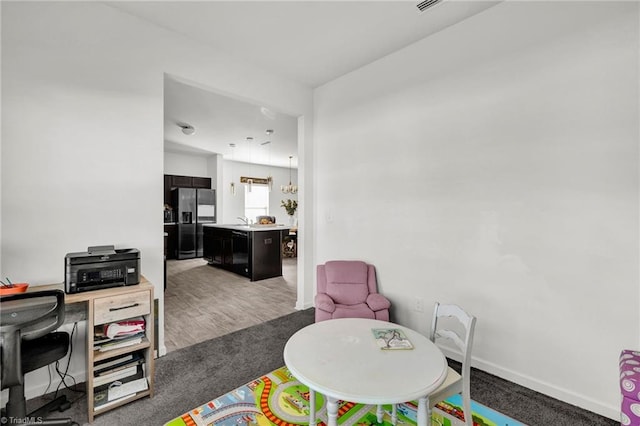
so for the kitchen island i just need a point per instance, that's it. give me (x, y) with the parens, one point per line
(254, 251)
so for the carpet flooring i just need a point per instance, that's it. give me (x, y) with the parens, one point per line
(189, 377)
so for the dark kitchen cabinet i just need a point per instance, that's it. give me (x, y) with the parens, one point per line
(181, 181)
(177, 181)
(218, 247)
(171, 243)
(253, 254)
(228, 249)
(241, 251)
(266, 255)
(167, 189)
(201, 182)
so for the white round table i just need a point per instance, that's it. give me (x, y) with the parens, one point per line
(341, 359)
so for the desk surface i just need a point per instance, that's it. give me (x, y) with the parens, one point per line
(109, 305)
(341, 359)
(75, 310)
(85, 296)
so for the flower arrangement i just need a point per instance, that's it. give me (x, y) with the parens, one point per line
(290, 206)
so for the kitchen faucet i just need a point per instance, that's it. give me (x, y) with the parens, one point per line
(244, 219)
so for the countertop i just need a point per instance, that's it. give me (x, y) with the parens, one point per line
(250, 228)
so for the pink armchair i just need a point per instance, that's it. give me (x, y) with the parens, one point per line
(348, 289)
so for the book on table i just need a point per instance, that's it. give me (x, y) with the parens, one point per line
(391, 339)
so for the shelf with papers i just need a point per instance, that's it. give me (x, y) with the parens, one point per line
(109, 305)
(121, 401)
(99, 356)
(120, 306)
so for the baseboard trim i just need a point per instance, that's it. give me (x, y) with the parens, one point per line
(301, 306)
(162, 351)
(34, 390)
(562, 394)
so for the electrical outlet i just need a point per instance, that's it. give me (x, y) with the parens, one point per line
(419, 304)
(329, 217)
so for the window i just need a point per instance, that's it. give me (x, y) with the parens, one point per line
(256, 201)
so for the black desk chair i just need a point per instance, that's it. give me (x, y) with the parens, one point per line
(28, 342)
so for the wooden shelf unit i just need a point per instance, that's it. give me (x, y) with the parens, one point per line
(117, 304)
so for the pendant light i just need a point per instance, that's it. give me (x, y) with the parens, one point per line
(289, 189)
(269, 132)
(249, 181)
(232, 185)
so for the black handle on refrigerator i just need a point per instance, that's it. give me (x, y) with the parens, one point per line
(187, 218)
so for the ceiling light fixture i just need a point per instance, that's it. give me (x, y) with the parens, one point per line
(289, 189)
(426, 4)
(187, 129)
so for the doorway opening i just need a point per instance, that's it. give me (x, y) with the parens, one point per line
(202, 302)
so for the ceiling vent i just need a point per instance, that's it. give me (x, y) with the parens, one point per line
(426, 4)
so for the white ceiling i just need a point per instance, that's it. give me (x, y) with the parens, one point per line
(312, 42)
(220, 121)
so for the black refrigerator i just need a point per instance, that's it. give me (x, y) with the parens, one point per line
(184, 204)
(205, 213)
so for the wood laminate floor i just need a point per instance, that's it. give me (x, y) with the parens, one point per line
(202, 302)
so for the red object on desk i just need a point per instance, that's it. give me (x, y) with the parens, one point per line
(15, 288)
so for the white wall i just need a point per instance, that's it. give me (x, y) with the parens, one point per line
(495, 165)
(1, 115)
(82, 134)
(233, 205)
(188, 165)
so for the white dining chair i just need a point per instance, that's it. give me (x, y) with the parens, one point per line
(454, 383)
(462, 337)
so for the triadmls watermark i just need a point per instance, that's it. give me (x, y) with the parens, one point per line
(21, 420)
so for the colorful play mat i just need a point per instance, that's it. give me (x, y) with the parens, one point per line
(280, 399)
